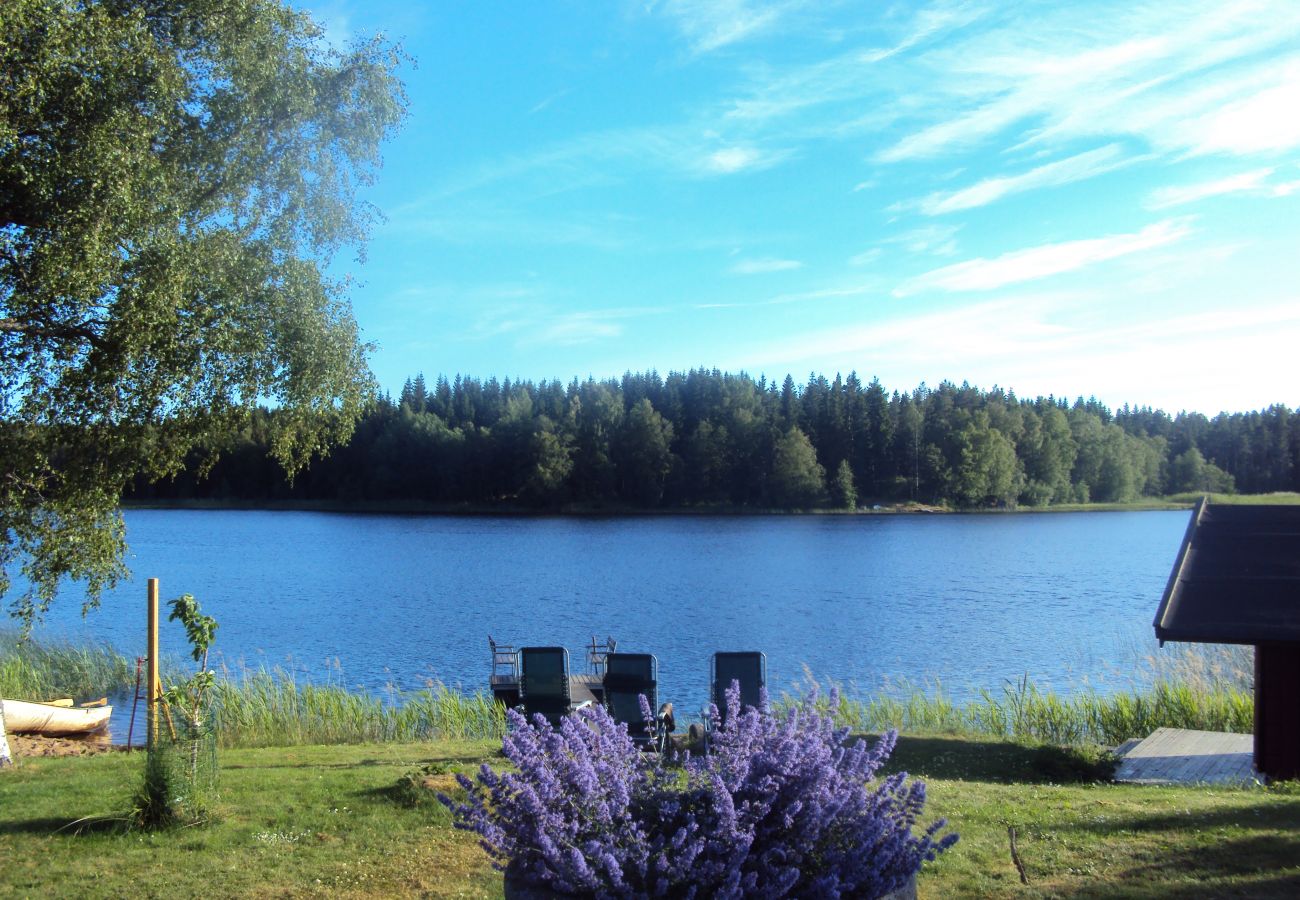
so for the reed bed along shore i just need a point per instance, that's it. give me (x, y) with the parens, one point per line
(1204, 688)
(1024, 713)
(45, 670)
(272, 709)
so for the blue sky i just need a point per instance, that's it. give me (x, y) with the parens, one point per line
(1071, 198)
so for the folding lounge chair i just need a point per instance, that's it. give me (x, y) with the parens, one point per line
(749, 668)
(504, 679)
(597, 654)
(505, 659)
(544, 683)
(628, 676)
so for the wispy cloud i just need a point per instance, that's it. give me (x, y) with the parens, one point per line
(577, 328)
(1212, 77)
(491, 225)
(928, 23)
(839, 83)
(1064, 171)
(932, 240)
(765, 265)
(866, 257)
(730, 160)
(927, 240)
(548, 100)
(710, 25)
(532, 326)
(1253, 182)
(336, 23)
(1055, 344)
(1044, 261)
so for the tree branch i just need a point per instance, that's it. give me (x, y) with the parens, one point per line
(79, 332)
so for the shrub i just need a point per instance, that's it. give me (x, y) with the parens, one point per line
(785, 805)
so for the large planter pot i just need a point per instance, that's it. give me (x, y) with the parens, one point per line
(906, 892)
(515, 889)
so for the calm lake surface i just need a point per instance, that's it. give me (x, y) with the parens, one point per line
(968, 601)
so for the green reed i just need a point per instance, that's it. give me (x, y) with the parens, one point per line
(1021, 711)
(1203, 688)
(271, 708)
(42, 670)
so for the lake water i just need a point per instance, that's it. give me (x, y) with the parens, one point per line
(968, 601)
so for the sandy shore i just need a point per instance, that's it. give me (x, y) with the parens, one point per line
(26, 746)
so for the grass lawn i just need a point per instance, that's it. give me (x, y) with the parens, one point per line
(334, 820)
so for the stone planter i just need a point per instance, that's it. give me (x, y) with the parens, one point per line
(906, 892)
(517, 890)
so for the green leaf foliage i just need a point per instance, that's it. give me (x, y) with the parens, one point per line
(175, 177)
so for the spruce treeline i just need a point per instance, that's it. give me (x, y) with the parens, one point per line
(707, 438)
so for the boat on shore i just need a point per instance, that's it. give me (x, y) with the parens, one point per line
(57, 717)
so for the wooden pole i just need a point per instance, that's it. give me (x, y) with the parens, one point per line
(152, 705)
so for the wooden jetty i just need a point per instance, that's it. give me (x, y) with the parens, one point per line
(583, 687)
(1182, 756)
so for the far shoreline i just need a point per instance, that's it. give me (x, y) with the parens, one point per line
(1148, 504)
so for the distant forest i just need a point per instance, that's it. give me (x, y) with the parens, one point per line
(712, 439)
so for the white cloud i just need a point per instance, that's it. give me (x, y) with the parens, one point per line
(532, 326)
(935, 240)
(1211, 77)
(1073, 168)
(578, 328)
(1057, 344)
(845, 78)
(866, 257)
(1178, 195)
(735, 159)
(711, 24)
(765, 265)
(1261, 122)
(928, 22)
(1034, 263)
(505, 227)
(548, 100)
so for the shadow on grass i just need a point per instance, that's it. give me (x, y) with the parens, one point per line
(1001, 762)
(1283, 817)
(389, 763)
(1234, 867)
(55, 827)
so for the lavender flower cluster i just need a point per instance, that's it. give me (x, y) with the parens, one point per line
(784, 805)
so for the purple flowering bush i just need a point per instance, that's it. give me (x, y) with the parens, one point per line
(782, 806)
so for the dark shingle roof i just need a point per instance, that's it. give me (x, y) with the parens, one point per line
(1237, 577)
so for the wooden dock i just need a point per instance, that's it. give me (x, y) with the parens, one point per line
(589, 688)
(1181, 756)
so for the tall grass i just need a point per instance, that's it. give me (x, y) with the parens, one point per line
(272, 709)
(1277, 498)
(1198, 687)
(1021, 711)
(42, 670)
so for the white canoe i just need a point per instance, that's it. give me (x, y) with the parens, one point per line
(24, 716)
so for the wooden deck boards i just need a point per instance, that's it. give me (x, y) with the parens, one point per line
(1181, 756)
(586, 688)
(581, 688)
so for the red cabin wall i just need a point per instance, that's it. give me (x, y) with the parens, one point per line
(1277, 710)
